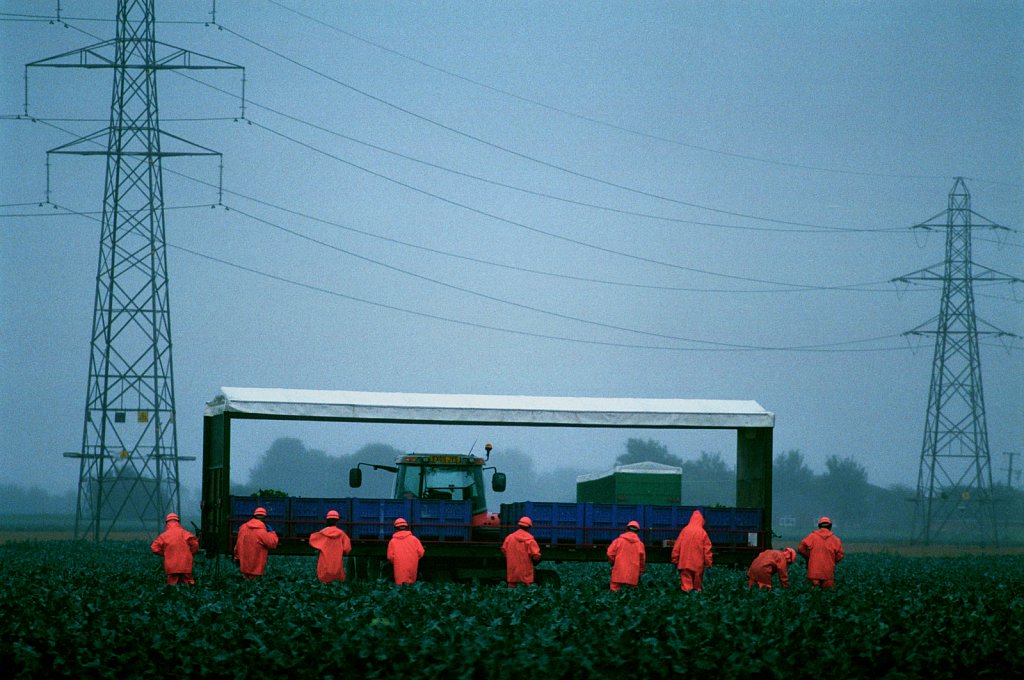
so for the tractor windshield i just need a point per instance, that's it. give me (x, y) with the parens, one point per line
(442, 482)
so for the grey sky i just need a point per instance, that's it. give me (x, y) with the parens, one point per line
(813, 133)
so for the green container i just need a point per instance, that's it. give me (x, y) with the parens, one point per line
(650, 483)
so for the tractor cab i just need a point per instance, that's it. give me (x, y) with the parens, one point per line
(442, 476)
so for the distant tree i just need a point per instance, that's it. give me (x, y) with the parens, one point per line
(708, 481)
(642, 451)
(848, 497)
(298, 471)
(797, 492)
(376, 483)
(791, 473)
(845, 472)
(290, 467)
(708, 466)
(18, 500)
(521, 475)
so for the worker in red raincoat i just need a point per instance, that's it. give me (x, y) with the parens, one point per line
(692, 553)
(255, 541)
(404, 553)
(333, 544)
(770, 562)
(823, 550)
(176, 545)
(521, 554)
(628, 557)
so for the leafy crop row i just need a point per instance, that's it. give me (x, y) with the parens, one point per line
(73, 609)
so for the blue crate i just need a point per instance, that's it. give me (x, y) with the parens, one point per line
(440, 520)
(664, 522)
(309, 515)
(374, 518)
(277, 509)
(731, 526)
(560, 523)
(606, 521)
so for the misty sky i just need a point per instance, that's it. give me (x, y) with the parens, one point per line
(679, 200)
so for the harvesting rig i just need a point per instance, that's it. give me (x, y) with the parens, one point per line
(444, 496)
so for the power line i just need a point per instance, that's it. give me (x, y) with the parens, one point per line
(519, 305)
(507, 150)
(604, 123)
(789, 287)
(522, 224)
(96, 212)
(812, 228)
(43, 18)
(34, 119)
(481, 261)
(717, 347)
(816, 230)
(714, 273)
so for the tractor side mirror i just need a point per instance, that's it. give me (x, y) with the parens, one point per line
(498, 481)
(355, 478)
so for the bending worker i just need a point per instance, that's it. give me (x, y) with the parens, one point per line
(823, 550)
(768, 563)
(521, 554)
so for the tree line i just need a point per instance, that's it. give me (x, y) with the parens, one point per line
(800, 495)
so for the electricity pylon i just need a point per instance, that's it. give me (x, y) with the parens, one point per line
(128, 470)
(954, 482)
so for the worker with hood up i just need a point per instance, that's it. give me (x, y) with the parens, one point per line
(333, 544)
(255, 541)
(770, 562)
(176, 545)
(521, 554)
(823, 550)
(692, 553)
(628, 557)
(404, 553)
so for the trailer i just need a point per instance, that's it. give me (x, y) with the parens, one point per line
(461, 536)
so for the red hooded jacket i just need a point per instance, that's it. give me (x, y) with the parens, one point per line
(252, 546)
(521, 553)
(767, 563)
(823, 550)
(692, 549)
(628, 558)
(177, 546)
(333, 544)
(404, 553)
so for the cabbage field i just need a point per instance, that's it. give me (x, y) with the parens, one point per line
(85, 610)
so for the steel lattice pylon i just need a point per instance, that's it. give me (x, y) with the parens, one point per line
(128, 472)
(954, 486)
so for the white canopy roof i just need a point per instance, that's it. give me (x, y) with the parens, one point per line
(645, 468)
(487, 409)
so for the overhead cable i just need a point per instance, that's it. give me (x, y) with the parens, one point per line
(607, 124)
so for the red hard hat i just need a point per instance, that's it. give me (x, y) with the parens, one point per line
(172, 516)
(790, 555)
(333, 514)
(400, 523)
(824, 520)
(633, 525)
(259, 512)
(525, 521)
